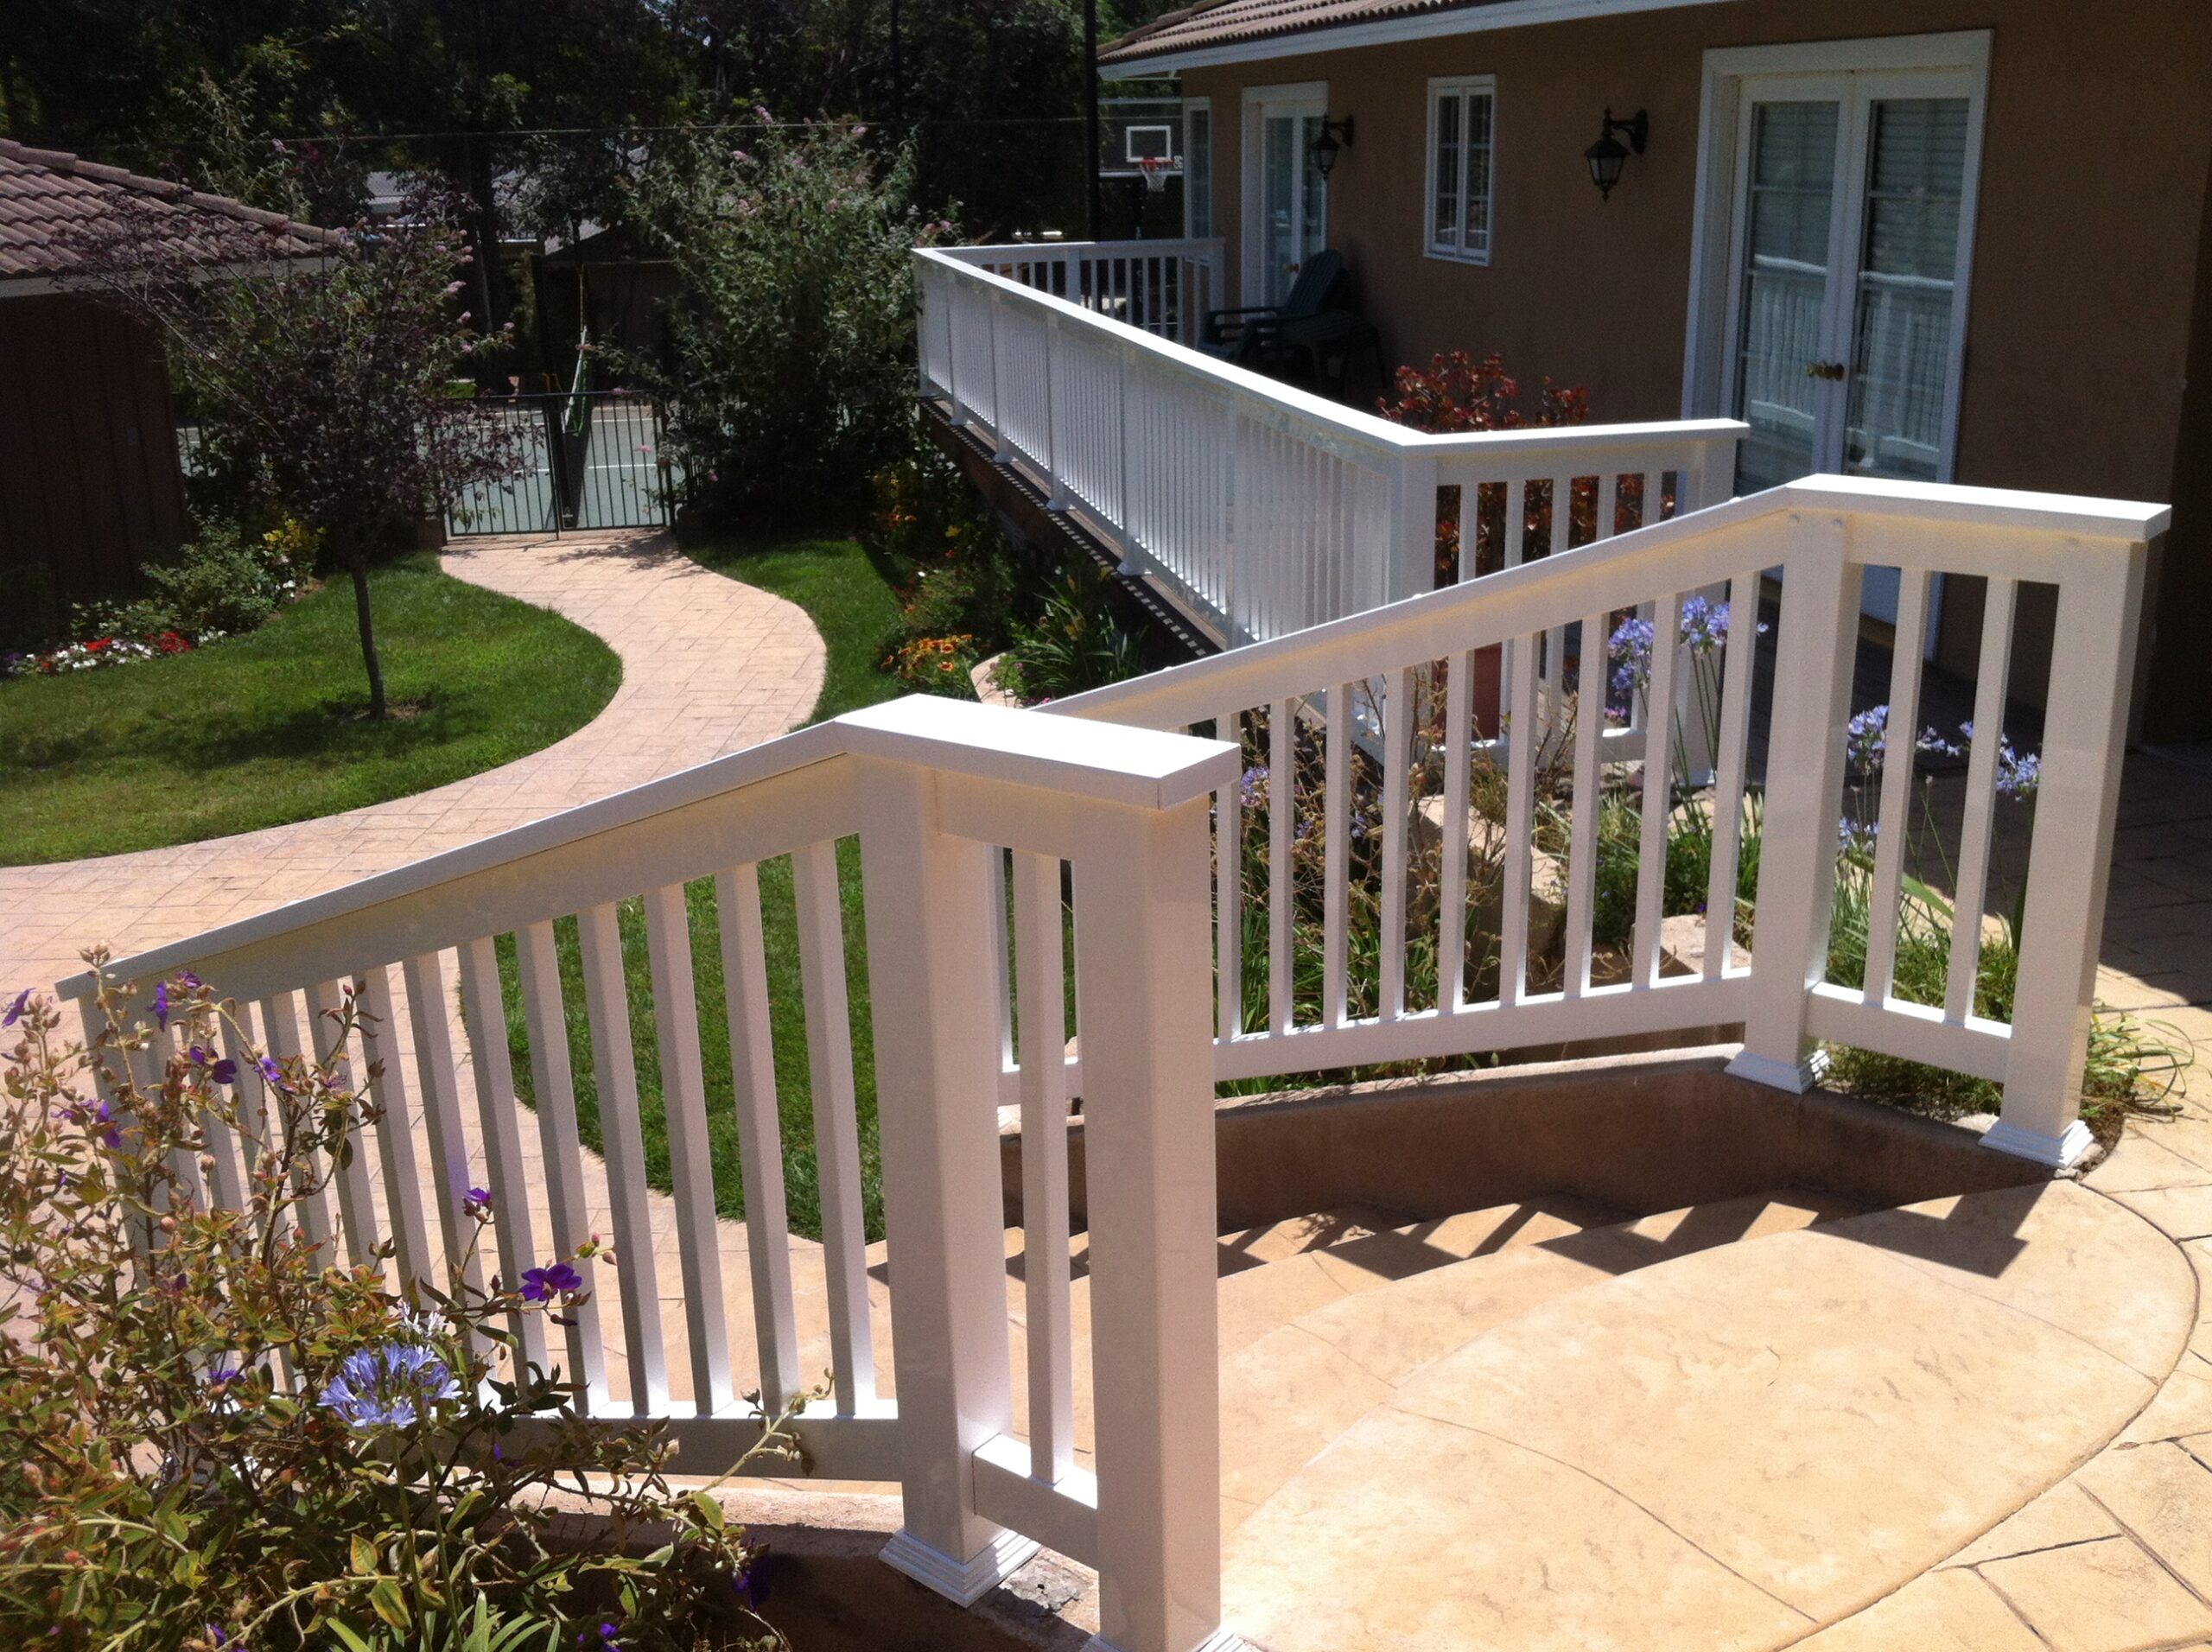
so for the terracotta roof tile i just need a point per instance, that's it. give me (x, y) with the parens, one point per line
(48, 197)
(1223, 22)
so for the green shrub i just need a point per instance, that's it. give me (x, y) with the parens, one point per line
(213, 1435)
(791, 381)
(226, 580)
(1078, 640)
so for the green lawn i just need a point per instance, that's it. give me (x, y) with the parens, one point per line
(267, 728)
(850, 596)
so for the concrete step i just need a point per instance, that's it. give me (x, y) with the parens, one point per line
(1287, 1394)
(1649, 1436)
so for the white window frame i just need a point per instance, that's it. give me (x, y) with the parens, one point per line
(1463, 87)
(1192, 166)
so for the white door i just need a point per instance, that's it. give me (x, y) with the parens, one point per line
(1847, 272)
(1286, 201)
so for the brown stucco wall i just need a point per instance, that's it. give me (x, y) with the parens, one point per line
(2085, 282)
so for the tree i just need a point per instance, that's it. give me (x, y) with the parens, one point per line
(793, 343)
(318, 380)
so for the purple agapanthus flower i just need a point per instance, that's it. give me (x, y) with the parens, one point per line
(390, 1387)
(22, 1001)
(543, 1284)
(1630, 648)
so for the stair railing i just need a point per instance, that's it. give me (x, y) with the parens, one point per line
(1420, 694)
(936, 793)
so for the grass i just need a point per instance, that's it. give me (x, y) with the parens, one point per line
(266, 729)
(849, 594)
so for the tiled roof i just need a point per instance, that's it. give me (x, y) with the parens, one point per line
(48, 197)
(1224, 22)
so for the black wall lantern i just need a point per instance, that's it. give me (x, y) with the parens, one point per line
(1606, 156)
(1326, 147)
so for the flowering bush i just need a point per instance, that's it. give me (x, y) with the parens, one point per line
(1455, 393)
(218, 585)
(213, 1435)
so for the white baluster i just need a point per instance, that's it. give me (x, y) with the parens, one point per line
(691, 1153)
(614, 1072)
(836, 1120)
(760, 1137)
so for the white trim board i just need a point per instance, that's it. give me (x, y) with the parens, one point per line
(1425, 25)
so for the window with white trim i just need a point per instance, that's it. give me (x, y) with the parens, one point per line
(1198, 167)
(1462, 119)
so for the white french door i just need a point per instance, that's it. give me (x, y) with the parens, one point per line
(1849, 237)
(1285, 216)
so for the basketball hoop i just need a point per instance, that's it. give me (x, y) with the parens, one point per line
(1154, 169)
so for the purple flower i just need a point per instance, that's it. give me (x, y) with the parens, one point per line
(1630, 648)
(390, 1387)
(161, 1005)
(543, 1284)
(15, 1010)
(223, 1070)
(477, 1201)
(273, 1074)
(221, 1374)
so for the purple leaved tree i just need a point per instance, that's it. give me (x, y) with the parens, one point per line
(317, 364)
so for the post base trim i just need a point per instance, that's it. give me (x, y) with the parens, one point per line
(962, 1582)
(2059, 1151)
(1795, 1077)
(1221, 1640)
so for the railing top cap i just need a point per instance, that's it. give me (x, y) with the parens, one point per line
(1140, 767)
(2128, 519)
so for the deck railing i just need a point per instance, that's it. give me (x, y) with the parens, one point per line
(1262, 509)
(1399, 693)
(960, 810)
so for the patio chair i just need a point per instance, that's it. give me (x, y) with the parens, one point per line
(1248, 336)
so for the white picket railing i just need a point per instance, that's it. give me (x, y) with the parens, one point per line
(1377, 683)
(1262, 509)
(937, 792)
(954, 805)
(1163, 287)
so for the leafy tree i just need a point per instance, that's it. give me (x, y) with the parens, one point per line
(792, 381)
(318, 380)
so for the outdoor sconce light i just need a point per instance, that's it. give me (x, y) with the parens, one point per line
(1326, 147)
(1606, 156)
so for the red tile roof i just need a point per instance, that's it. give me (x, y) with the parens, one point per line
(1224, 22)
(48, 197)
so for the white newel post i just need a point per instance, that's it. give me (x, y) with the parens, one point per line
(929, 975)
(1412, 537)
(955, 414)
(2068, 862)
(1144, 1014)
(1812, 701)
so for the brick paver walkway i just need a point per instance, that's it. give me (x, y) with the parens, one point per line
(709, 666)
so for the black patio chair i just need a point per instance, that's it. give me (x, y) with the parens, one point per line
(1247, 336)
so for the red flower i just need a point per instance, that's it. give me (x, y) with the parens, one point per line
(98, 643)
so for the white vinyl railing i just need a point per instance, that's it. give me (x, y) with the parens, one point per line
(955, 806)
(1379, 689)
(936, 793)
(1163, 287)
(1262, 509)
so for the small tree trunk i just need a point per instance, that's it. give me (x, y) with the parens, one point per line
(360, 567)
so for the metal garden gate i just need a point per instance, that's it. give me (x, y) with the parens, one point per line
(590, 459)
